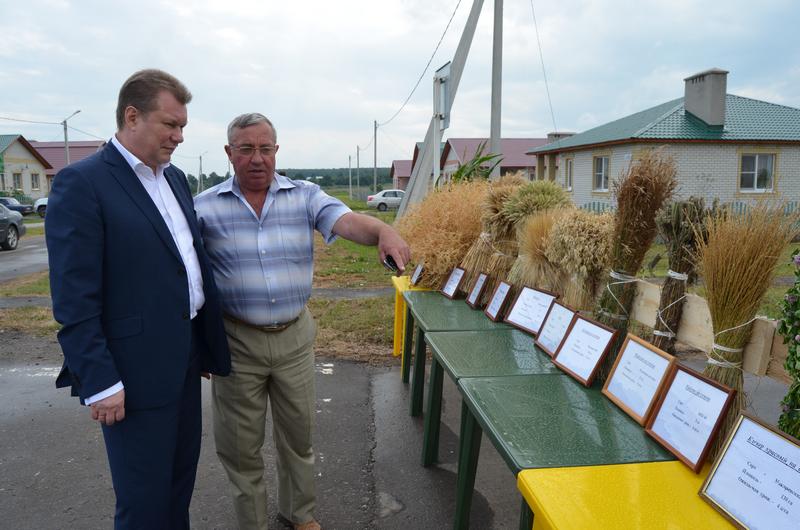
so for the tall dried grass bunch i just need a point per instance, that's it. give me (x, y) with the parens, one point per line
(496, 228)
(442, 227)
(676, 225)
(534, 197)
(580, 245)
(736, 257)
(642, 190)
(532, 268)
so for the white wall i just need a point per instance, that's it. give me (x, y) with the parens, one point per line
(18, 159)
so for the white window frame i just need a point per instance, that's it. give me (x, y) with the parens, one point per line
(755, 188)
(16, 181)
(35, 184)
(603, 174)
(569, 170)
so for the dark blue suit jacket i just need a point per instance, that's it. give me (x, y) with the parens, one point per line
(119, 286)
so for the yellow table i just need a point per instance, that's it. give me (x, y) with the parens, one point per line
(401, 283)
(650, 496)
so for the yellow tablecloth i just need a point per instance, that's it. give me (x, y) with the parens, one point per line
(401, 283)
(648, 496)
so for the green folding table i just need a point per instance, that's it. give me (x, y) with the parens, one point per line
(494, 353)
(543, 421)
(432, 311)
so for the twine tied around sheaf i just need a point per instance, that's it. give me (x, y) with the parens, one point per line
(622, 279)
(716, 347)
(681, 277)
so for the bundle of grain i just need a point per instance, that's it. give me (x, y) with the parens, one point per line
(532, 268)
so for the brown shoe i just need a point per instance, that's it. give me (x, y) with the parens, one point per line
(310, 525)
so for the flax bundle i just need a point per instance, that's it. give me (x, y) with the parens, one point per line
(580, 245)
(442, 227)
(496, 228)
(532, 268)
(676, 222)
(736, 258)
(643, 189)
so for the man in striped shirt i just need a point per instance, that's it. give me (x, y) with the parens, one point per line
(258, 228)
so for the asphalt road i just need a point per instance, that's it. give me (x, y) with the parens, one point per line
(53, 471)
(29, 257)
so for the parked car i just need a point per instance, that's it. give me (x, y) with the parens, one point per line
(383, 200)
(11, 228)
(13, 204)
(40, 206)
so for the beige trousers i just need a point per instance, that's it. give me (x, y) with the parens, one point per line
(276, 367)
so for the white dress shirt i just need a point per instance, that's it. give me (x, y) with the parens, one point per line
(159, 191)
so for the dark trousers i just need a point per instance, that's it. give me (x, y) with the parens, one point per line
(153, 457)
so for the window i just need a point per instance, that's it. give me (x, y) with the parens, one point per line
(2, 181)
(17, 181)
(568, 174)
(601, 173)
(757, 171)
(34, 181)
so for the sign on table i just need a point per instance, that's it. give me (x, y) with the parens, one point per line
(417, 274)
(637, 376)
(755, 482)
(495, 308)
(452, 284)
(477, 291)
(554, 328)
(585, 345)
(688, 415)
(529, 309)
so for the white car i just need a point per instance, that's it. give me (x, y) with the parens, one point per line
(40, 206)
(383, 200)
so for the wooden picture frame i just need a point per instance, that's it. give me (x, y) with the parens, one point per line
(477, 291)
(416, 275)
(577, 321)
(738, 467)
(556, 311)
(522, 326)
(498, 316)
(457, 286)
(685, 375)
(622, 377)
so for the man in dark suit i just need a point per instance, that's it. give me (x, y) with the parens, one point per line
(134, 292)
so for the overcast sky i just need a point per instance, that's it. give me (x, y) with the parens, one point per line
(324, 70)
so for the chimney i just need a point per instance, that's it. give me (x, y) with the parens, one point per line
(704, 96)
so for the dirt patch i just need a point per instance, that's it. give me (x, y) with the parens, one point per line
(328, 345)
(19, 347)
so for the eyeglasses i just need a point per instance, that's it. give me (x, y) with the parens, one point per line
(248, 150)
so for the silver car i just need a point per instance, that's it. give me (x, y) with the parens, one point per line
(383, 200)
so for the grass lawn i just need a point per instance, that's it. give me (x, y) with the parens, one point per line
(34, 231)
(32, 218)
(36, 284)
(36, 321)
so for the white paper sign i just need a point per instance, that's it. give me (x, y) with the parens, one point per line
(583, 348)
(688, 415)
(637, 376)
(416, 275)
(473, 296)
(530, 309)
(555, 327)
(453, 281)
(758, 479)
(497, 300)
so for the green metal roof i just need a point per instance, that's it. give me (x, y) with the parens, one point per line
(745, 119)
(6, 140)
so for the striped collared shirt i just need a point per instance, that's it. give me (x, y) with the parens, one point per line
(264, 265)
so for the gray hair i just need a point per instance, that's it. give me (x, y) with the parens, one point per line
(248, 119)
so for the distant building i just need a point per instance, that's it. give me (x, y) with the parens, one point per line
(725, 147)
(514, 154)
(400, 172)
(22, 168)
(56, 156)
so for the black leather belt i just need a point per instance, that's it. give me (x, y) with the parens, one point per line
(267, 329)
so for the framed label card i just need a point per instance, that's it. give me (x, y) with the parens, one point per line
(417, 274)
(450, 288)
(586, 344)
(498, 302)
(554, 328)
(637, 377)
(755, 482)
(688, 415)
(477, 291)
(529, 309)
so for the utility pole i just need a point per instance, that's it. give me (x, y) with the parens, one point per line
(350, 174)
(200, 175)
(66, 138)
(497, 82)
(358, 169)
(375, 158)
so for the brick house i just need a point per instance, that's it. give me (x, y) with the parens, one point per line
(725, 147)
(22, 168)
(55, 155)
(400, 173)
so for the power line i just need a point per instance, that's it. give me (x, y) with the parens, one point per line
(426, 68)
(84, 132)
(31, 121)
(391, 141)
(366, 146)
(544, 73)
